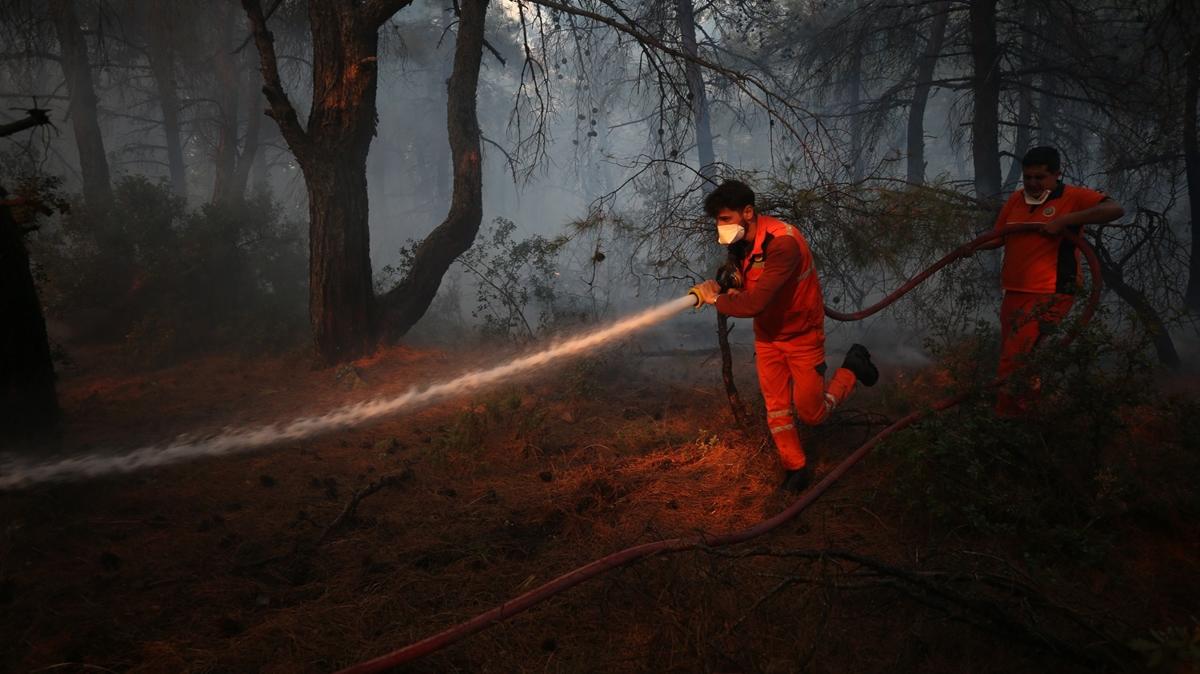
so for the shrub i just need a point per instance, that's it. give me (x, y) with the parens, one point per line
(1053, 481)
(165, 281)
(516, 286)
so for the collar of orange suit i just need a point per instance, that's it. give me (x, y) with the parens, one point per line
(761, 223)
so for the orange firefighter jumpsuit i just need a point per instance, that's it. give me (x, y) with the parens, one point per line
(781, 292)
(1039, 276)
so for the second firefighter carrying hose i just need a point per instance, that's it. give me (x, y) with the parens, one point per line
(771, 276)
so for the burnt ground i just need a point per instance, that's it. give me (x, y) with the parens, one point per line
(254, 562)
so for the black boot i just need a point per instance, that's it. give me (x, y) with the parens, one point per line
(858, 361)
(796, 481)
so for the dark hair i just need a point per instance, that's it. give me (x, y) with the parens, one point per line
(732, 194)
(1043, 156)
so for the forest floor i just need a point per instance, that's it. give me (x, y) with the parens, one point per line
(231, 564)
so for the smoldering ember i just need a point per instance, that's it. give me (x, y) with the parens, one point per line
(599, 336)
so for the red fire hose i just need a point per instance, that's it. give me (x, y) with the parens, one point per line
(622, 557)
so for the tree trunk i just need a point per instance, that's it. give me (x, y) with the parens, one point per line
(741, 415)
(332, 152)
(1024, 115)
(985, 87)
(228, 86)
(407, 302)
(249, 152)
(28, 402)
(1113, 277)
(341, 306)
(93, 165)
(1021, 142)
(1047, 112)
(926, 66)
(437, 144)
(342, 124)
(1191, 159)
(854, 94)
(686, 16)
(162, 66)
(260, 173)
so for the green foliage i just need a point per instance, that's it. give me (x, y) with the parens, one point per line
(466, 433)
(1176, 648)
(1056, 481)
(516, 285)
(167, 281)
(510, 275)
(870, 239)
(497, 415)
(582, 374)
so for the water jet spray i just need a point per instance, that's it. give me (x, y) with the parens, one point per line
(15, 473)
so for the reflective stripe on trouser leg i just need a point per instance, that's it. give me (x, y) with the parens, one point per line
(786, 438)
(774, 380)
(815, 399)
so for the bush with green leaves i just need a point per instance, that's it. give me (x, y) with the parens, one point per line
(514, 278)
(1056, 480)
(167, 281)
(517, 285)
(1174, 649)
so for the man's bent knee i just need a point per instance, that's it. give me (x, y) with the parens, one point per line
(815, 413)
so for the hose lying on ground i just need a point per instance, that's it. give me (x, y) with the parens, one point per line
(620, 558)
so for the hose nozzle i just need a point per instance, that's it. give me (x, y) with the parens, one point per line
(729, 277)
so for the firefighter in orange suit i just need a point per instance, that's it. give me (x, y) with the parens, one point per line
(781, 291)
(1041, 269)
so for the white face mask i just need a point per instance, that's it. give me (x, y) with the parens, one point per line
(1036, 201)
(727, 234)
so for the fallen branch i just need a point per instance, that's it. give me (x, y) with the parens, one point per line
(348, 512)
(345, 516)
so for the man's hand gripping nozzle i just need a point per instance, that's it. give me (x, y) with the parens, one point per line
(705, 293)
(728, 277)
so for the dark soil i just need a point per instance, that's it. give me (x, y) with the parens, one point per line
(232, 565)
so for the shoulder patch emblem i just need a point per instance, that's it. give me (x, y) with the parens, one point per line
(1048, 211)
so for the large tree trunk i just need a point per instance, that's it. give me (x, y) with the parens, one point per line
(27, 397)
(341, 306)
(407, 303)
(985, 87)
(916, 113)
(162, 66)
(93, 165)
(1191, 159)
(332, 153)
(342, 124)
